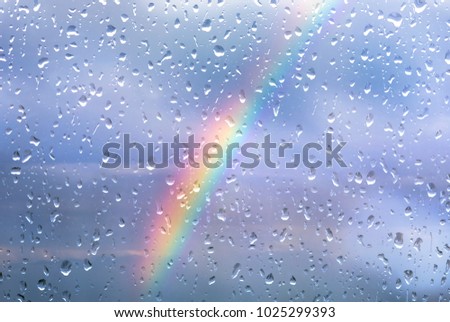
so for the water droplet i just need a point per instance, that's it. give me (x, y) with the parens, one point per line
(66, 267)
(418, 244)
(34, 141)
(398, 241)
(408, 275)
(395, 18)
(111, 31)
(242, 98)
(293, 281)
(108, 123)
(369, 120)
(398, 283)
(285, 214)
(420, 6)
(408, 211)
(41, 284)
(311, 74)
(83, 100)
(177, 23)
(236, 270)
(253, 238)
(170, 180)
(331, 118)
(87, 265)
(221, 215)
(26, 156)
(230, 122)
(206, 26)
(219, 51)
(370, 178)
(383, 259)
(269, 279)
(43, 62)
(431, 190)
(167, 56)
(16, 171)
(71, 31)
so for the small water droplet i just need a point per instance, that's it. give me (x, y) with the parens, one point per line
(236, 270)
(369, 120)
(71, 31)
(219, 51)
(16, 171)
(408, 211)
(395, 18)
(284, 214)
(83, 100)
(87, 265)
(370, 178)
(177, 23)
(420, 6)
(408, 275)
(41, 284)
(43, 62)
(398, 283)
(111, 31)
(206, 26)
(66, 267)
(418, 244)
(398, 241)
(230, 122)
(242, 97)
(269, 279)
(311, 73)
(170, 180)
(293, 281)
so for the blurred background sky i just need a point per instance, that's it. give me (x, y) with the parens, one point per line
(75, 75)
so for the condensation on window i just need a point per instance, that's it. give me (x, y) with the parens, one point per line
(348, 202)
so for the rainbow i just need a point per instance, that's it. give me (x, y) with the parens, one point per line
(179, 205)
